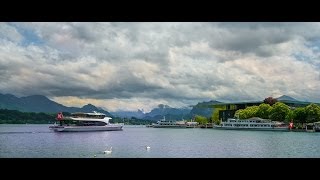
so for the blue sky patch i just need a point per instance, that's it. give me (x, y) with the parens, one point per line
(30, 37)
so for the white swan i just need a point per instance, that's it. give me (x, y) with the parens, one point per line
(108, 151)
(148, 147)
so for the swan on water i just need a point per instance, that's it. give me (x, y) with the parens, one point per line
(108, 151)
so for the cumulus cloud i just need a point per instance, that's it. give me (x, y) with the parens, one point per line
(139, 65)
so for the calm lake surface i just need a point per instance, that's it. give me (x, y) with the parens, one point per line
(37, 141)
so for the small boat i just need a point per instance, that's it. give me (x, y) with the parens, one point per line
(85, 122)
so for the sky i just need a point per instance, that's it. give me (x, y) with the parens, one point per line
(138, 65)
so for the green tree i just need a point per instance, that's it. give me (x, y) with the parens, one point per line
(289, 116)
(17, 117)
(249, 112)
(270, 100)
(201, 119)
(215, 116)
(263, 111)
(279, 111)
(313, 113)
(300, 115)
(239, 114)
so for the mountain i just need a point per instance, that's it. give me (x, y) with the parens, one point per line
(156, 113)
(128, 114)
(286, 98)
(91, 108)
(169, 112)
(202, 109)
(38, 103)
(10, 102)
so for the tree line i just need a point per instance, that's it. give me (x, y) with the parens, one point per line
(282, 112)
(273, 110)
(17, 117)
(131, 121)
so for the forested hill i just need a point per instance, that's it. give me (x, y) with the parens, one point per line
(17, 117)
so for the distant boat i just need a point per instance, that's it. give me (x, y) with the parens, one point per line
(163, 123)
(316, 126)
(85, 122)
(254, 123)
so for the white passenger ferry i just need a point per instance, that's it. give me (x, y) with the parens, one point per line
(85, 122)
(254, 123)
(163, 123)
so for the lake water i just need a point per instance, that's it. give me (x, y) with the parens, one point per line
(37, 141)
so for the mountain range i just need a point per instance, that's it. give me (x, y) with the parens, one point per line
(167, 111)
(39, 103)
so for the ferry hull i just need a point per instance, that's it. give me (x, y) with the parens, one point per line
(251, 129)
(85, 128)
(168, 126)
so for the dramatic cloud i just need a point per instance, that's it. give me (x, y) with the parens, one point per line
(135, 65)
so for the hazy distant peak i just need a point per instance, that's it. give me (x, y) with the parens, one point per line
(38, 97)
(89, 105)
(8, 95)
(163, 106)
(287, 98)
